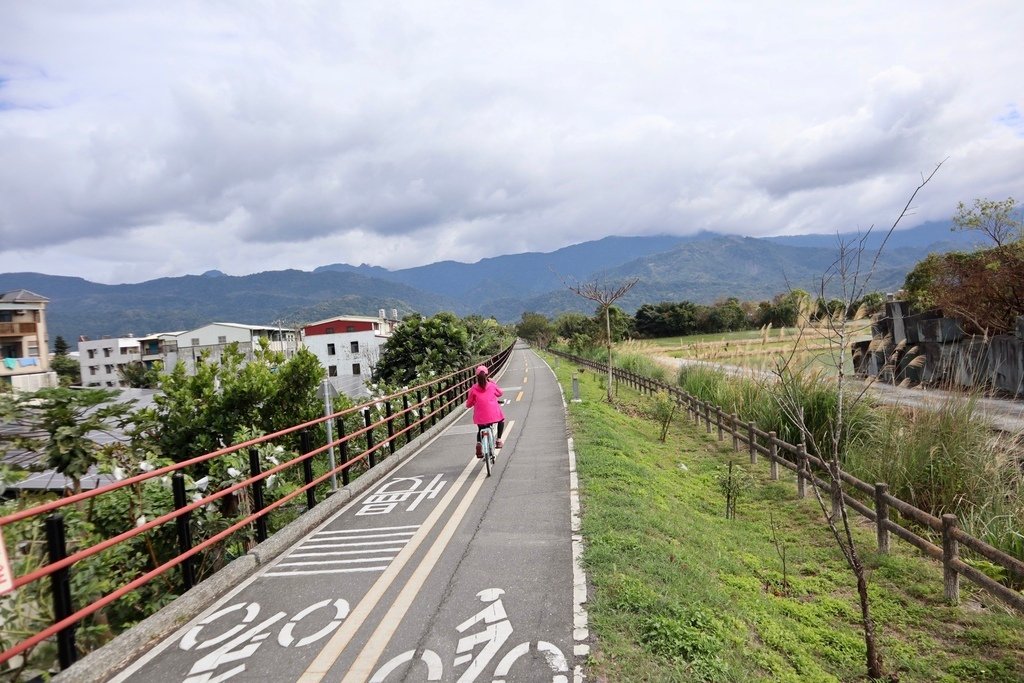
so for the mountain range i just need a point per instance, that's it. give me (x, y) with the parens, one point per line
(702, 267)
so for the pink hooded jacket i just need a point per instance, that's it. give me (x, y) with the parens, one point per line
(486, 411)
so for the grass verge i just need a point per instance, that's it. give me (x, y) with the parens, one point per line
(680, 593)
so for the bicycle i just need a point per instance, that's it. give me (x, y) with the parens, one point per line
(487, 441)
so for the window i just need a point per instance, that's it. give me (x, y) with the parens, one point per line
(330, 350)
(350, 328)
(332, 370)
(329, 330)
(33, 351)
(195, 341)
(92, 369)
(6, 317)
(222, 340)
(92, 353)
(354, 346)
(106, 353)
(355, 369)
(109, 368)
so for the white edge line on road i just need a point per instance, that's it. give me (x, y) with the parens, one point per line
(580, 628)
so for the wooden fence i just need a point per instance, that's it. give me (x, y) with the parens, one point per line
(881, 507)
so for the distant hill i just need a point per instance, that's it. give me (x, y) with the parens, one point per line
(701, 268)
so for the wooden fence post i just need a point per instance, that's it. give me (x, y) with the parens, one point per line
(801, 463)
(707, 416)
(718, 421)
(752, 442)
(734, 429)
(950, 552)
(773, 455)
(882, 517)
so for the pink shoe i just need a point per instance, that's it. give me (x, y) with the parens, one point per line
(499, 443)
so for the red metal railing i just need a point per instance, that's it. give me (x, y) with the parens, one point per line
(433, 400)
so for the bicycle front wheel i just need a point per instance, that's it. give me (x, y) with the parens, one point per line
(485, 445)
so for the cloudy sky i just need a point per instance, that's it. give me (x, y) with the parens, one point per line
(144, 139)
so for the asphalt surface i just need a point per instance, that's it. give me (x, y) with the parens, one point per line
(437, 573)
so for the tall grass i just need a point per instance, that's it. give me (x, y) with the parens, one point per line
(948, 461)
(762, 403)
(639, 364)
(941, 461)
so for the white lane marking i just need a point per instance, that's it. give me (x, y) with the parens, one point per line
(306, 546)
(318, 668)
(345, 552)
(310, 572)
(355, 560)
(374, 528)
(362, 667)
(580, 628)
(362, 537)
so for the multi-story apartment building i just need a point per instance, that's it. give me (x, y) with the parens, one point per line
(24, 345)
(101, 360)
(348, 347)
(211, 340)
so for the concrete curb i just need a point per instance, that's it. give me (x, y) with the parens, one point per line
(105, 662)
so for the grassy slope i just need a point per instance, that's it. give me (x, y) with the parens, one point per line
(682, 594)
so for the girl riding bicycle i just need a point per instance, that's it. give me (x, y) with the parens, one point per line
(483, 399)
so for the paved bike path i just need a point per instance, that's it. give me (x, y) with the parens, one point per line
(438, 572)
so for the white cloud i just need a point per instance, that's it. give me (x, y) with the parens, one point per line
(147, 139)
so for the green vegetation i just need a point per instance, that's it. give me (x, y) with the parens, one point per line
(680, 593)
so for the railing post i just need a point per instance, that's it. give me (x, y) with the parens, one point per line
(419, 406)
(752, 442)
(950, 552)
(718, 422)
(183, 524)
(432, 393)
(60, 586)
(306, 445)
(707, 417)
(882, 517)
(734, 429)
(343, 450)
(391, 427)
(773, 455)
(370, 453)
(408, 419)
(575, 388)
(801, 463)
(257, 494)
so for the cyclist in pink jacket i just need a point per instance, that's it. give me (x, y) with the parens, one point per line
(483, 399)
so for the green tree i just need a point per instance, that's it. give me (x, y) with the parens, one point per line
(572, 325)
(535, 328)
(199, 413)
(138, 376)
(998, 220)
(68, 370)
(421, 346)
(60, 347)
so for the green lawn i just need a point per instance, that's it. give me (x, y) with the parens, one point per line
(679, 593)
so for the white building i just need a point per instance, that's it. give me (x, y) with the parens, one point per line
(348, 346)
(214, 338)
(100, 359)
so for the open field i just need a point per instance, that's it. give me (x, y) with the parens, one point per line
(680, 593)
(811, 347)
